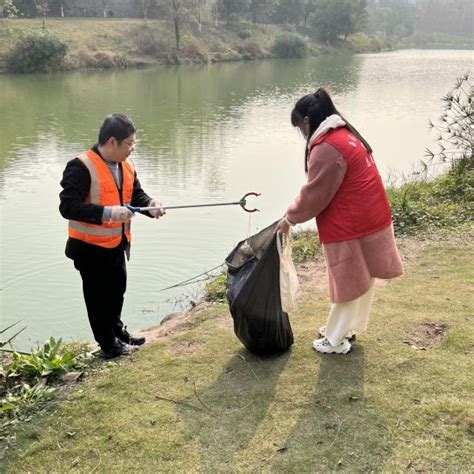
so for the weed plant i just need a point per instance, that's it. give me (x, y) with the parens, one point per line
(24, 379)
(46, 361)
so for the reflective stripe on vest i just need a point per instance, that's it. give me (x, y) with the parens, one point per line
(104, 191)
(99, 230)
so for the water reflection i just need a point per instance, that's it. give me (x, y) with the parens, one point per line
(175, 107)
(206, 134)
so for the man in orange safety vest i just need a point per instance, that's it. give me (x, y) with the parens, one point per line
(97, 187)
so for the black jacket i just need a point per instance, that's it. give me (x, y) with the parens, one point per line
(76, 184)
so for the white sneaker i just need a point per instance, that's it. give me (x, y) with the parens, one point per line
(350, 336)
(324, 346)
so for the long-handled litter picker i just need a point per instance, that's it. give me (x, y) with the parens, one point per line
(242, 203)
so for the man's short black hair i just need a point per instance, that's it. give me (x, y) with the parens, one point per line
(118, 126)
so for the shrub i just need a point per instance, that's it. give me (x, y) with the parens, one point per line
(290, 45)
(244, 34)
(195, 53)
(251, 50)
(457, 184)
(86, 59)
(37, 52)
(289, 28)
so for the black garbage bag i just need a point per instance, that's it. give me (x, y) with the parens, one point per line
(253, 293)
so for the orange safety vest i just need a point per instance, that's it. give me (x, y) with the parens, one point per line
(103, 191)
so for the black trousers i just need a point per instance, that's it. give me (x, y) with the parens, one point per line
(104, 282)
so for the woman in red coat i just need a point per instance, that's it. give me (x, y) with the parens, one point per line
(345, 193)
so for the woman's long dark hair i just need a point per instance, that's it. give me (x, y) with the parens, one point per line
(318, 107)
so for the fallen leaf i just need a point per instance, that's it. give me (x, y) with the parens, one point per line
(71, 433)
(75, 462)
(72, 376)
(282, 450)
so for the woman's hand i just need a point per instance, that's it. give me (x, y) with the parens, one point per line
(282, 227)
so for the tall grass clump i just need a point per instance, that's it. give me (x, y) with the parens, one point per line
(215, 290)
(37, 52)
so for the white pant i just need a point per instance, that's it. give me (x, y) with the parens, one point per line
(351, 316)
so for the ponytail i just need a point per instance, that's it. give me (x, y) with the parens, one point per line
(317, 107)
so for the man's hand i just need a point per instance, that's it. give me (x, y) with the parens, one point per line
(282, 227)
(157, 213)
(120, 214)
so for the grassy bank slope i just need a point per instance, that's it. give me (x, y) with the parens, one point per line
(107, 43)
(196, 401)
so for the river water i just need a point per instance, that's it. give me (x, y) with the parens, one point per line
(206, 134)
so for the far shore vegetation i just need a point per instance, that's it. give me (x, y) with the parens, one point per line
(401, 401)
(41, 37)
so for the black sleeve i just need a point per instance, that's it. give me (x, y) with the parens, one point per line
(139, 197)
(76, 184)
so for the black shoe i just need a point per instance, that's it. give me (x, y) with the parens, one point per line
(126, 337)
(115, 351)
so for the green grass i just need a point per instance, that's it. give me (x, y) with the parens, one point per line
(199, 402)
(443, 203)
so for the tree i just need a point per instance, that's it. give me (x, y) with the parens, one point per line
(333, 18)
(309, 9)
(290, 11)
(104, 8)
(146, 5)
(216, 13)
(399, 21)
(8, 10)
(394, 19)
(233, 10)
(196, 12)
(449, 16)
(455, 143)
(42, 7)
(181, 11)
(56, 7)
(262, 10)
(360, 14)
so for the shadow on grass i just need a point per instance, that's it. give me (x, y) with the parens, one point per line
(232, 408)
(337, 429)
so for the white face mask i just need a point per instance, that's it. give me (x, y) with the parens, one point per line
(303, 134)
